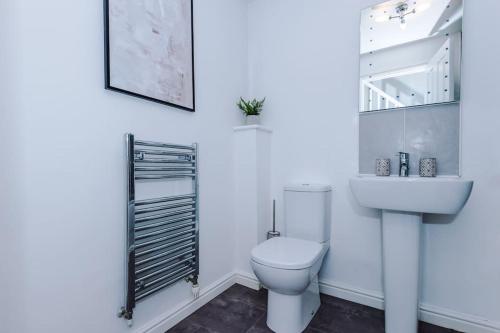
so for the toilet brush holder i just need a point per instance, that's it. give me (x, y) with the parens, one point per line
(273, 233)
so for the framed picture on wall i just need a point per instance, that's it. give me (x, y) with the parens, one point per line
(149, 50)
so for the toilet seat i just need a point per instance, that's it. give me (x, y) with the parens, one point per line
(287, 253)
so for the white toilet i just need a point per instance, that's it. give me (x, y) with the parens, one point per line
(288, 266)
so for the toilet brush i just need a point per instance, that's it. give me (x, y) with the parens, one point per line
(273, 233)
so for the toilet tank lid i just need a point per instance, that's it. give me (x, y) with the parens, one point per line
(308, 188)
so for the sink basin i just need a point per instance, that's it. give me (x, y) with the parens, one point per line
(403, 202)
(412, 194)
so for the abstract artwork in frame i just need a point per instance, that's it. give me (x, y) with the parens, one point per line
(149, 50)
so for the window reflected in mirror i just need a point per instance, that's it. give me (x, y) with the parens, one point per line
(410, 54)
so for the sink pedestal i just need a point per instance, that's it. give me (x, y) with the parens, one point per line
(403, 200)
(401, 258)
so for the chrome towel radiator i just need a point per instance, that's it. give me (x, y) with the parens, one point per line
(162, 233)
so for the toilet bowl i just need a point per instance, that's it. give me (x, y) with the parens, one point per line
(289, 268)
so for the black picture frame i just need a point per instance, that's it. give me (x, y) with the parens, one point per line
(107, 60)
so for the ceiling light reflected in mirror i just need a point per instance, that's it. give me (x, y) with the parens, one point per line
(410, 53)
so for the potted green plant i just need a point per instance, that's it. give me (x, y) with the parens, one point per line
(251, 109)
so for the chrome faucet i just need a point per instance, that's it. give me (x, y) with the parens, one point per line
(404, 164)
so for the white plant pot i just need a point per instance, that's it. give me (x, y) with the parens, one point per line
(252, 120)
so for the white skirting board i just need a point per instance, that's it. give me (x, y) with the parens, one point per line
(247, 280)
(456, 320)
(165, 322)
(428, 313)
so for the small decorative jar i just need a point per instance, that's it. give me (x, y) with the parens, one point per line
(383, 167)
(428, 167)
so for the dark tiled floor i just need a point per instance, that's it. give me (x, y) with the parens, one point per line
(243, 310)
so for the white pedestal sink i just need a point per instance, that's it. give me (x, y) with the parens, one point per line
(403, 201)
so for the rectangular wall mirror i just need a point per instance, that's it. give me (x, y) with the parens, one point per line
(410, 54)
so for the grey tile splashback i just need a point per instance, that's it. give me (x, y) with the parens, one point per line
(432, 131)
(381, 135)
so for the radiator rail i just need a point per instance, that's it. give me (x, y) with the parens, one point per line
(163, 232)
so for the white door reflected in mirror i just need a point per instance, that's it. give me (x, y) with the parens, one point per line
(410, 54)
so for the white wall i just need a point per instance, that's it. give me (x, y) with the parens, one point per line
(70, 242)
(63, 176)
(11, 181)
(463, 270)
(306, 63)
(304, 57)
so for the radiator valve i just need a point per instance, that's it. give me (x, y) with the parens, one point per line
(196, 290)
(123, 313)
